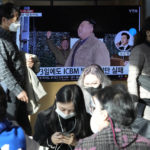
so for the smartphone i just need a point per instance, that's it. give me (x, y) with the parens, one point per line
(65, 134)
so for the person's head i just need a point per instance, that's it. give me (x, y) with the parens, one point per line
(65, 44)
(112, 102)
(9, 15)
(3, 104)
(69, 101)
(93, 78)
(144, 34)
(146, 26)
(85, 28)
(125, 38)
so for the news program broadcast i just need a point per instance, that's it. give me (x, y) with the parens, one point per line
(52, 33)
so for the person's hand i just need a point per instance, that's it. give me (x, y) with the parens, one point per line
(118, 43)
(23, 96)
(49, 33)
(29, 61)
(69, 139)
(57, 138)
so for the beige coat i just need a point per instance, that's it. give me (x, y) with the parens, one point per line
(139, 65)
(92, 51)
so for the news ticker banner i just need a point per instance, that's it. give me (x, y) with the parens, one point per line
(73, 73)
(30, 13)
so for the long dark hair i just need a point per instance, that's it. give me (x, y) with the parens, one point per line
(141, 35)
(66, 94)
(3, 104)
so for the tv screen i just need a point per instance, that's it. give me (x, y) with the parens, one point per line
(112, 24)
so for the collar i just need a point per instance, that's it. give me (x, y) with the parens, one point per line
(124, 46)
(89, 37)
(82, 41)
(5, 33)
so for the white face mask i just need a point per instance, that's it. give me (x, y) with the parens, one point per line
(95, 126)
(14, 26)
(64, 116)
(97, 122)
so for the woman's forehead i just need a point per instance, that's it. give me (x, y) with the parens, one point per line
(90, 77)
(65, 105)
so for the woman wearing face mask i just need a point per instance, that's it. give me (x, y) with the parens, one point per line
(63, 124)
(111, 122)
(13, 67)
(92, 79)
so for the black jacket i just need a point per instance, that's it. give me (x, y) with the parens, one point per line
(44, 131)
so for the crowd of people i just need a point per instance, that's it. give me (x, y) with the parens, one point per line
(92, 114)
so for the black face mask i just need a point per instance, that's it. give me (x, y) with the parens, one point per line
(92, 90)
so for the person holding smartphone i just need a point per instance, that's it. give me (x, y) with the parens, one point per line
(63, 124)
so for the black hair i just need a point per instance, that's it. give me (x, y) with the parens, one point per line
(66, 94)
(124, 33)
(7, 10)
(116, 100)
(3, 104)
(91, 21)
(140, 37)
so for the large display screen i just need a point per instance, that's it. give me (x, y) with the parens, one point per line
(114, 25)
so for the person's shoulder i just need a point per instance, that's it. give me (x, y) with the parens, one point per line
(44, 113)
(87, 139)
(88, 142)
(99, 135)
(139, 48)
(3, 40)
(94, 41)
(143, 141)
(97, 41)
(145, 47)
(93, 38)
